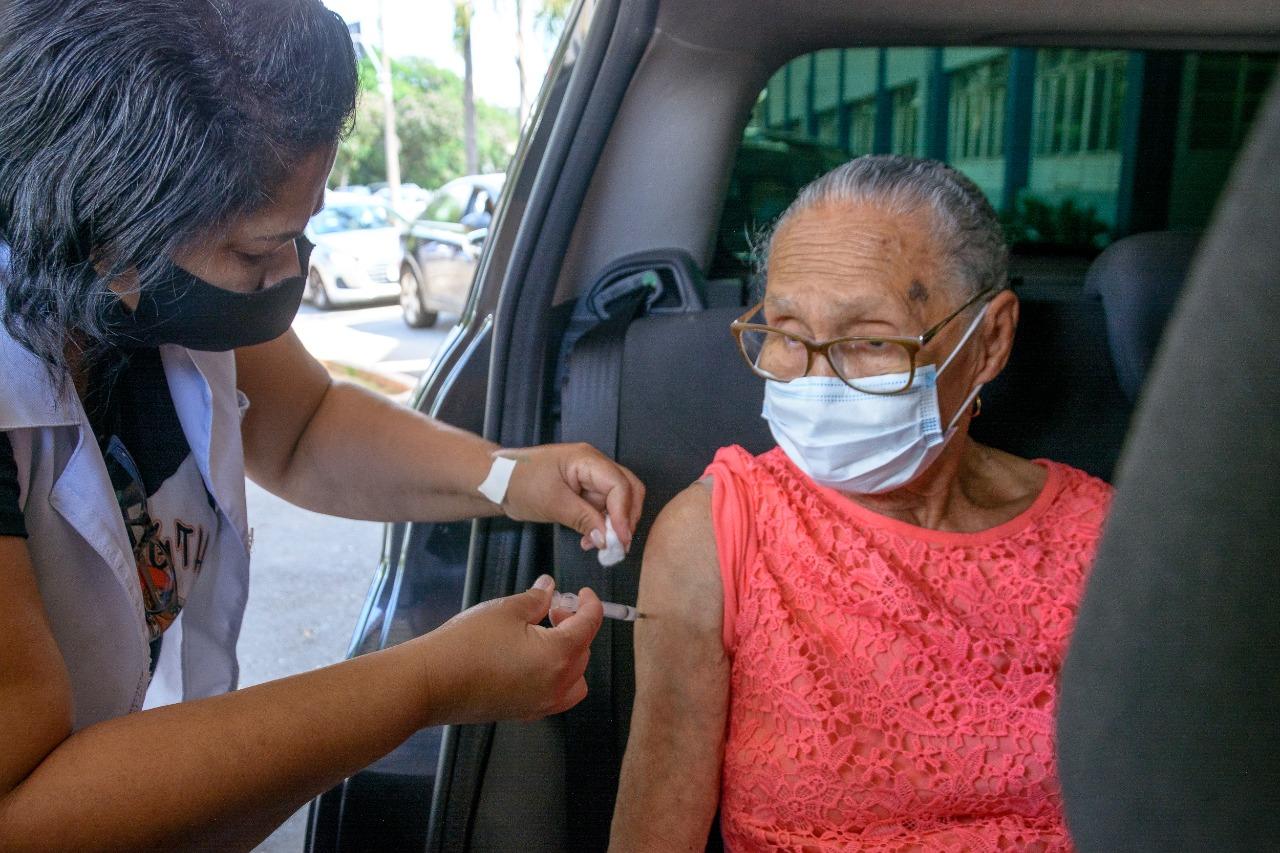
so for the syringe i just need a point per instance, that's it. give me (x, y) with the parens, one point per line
(569, 601)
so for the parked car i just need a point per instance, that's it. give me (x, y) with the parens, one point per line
(413, 199)
(357, 254)
(628, 181)
(442, 247)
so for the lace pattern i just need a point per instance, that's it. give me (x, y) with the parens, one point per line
(893, 689)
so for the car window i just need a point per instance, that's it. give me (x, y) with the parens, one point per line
(1074, 148)
(478, 202)
(449, 203)
(360, 217)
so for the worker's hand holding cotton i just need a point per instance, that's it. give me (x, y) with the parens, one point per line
(577, 486)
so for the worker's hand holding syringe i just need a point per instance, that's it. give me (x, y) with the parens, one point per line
(567, 602)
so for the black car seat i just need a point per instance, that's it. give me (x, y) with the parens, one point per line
(1058, 396)
(682, 392)
(1138, 280)
(1079, 363)
(1170, 703)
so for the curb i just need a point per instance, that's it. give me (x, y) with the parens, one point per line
(384, 382)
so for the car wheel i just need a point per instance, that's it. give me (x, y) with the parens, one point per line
(317, 292)
(416, 315)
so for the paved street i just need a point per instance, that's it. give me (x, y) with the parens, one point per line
(311, 572)
(374, 337)
(310, 575)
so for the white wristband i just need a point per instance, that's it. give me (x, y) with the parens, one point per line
(495, 485)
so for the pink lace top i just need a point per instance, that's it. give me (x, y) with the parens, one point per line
(893, 687)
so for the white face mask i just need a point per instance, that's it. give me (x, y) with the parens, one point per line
(858, 442)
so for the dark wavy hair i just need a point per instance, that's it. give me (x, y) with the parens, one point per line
(127, 127)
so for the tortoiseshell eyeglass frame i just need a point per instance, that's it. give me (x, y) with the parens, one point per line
(912, 345)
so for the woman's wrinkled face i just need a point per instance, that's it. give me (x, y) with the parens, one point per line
(838, 270)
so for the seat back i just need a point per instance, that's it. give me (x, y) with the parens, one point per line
(1170, 699)
(1058, 397)
(1138, 279)
(682, 392)
(686, 393)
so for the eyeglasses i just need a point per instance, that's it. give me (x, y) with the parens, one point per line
(151, 552)
(871, 364)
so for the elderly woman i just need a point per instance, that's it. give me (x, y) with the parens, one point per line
(856, 636)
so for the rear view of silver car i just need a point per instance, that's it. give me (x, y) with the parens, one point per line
(357, 252)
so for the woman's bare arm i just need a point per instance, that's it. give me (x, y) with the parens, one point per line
(671, 773)
(221, 773)
(336, 448)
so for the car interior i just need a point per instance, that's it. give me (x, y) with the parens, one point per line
(669, 135)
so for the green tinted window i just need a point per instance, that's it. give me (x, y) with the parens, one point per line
(1073, 147)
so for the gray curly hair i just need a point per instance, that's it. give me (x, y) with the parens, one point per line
(966, 228)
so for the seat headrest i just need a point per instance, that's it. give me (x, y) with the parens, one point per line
(1139, 279)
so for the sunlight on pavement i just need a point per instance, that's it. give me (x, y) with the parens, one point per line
(329, 336)
(408, 365)
(370, 340)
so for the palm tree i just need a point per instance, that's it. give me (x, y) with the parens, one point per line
(389, 104)
(552, 15)
(520, 61)
(550, 18)
(463, 11)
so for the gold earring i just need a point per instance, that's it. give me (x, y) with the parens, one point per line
(977, 406)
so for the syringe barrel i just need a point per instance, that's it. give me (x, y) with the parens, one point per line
(564, 601)
(619, 611)
(569, 601)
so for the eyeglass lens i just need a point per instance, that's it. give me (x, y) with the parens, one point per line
(858, 363)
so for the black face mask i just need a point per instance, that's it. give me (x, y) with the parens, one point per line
(182, 309)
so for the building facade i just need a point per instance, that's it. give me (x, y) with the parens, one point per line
(1106, 142)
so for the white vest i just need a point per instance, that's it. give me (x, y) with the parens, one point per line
(84, 565)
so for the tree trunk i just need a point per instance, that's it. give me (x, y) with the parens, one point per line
(391, 138)
(521, 65)
(469, 102)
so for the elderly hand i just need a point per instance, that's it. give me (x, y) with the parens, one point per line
(574, 485)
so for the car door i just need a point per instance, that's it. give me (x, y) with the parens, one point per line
(457, 266)
(478, 803)
(421, 578)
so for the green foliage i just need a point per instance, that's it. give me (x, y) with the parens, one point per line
(463, 12)
(429, 124)
(368, 75)
(551, 16)
(1065, 226)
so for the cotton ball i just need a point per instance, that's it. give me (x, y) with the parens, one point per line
(612, 553)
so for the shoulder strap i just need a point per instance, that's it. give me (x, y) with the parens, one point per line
(590, 373)
(590, 401)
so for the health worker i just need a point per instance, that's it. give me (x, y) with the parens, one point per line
(159, 161)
